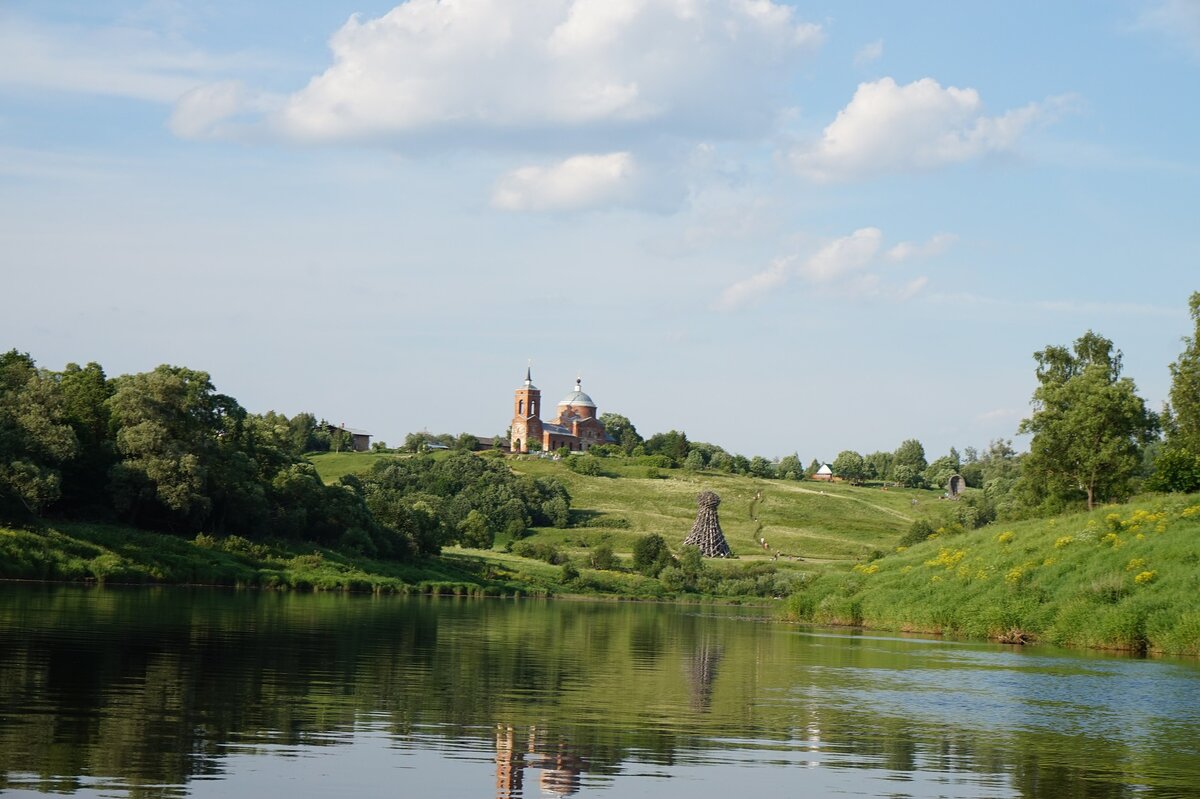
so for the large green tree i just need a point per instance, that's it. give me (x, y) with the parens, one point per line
(1183, 429)
(1178, 466)
(622, 431)
(849, 465)
(35, 437)
(1088, 423)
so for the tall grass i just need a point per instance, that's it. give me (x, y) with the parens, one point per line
(1121, 577)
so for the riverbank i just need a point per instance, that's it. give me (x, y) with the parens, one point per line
(1122, 577)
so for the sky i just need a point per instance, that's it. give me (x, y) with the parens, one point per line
(780, 227)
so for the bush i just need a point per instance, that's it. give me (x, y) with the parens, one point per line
(548, 553)
(651, 555)
(569, 572)
(918, 531)
(585, 465)
(602, 557)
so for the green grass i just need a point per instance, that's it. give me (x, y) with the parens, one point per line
(122, 555)
(805, 520)
(1121, 577)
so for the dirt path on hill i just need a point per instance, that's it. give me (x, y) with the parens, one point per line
(888, 511)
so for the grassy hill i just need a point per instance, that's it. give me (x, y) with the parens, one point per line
(816, 522)
(1121, 577)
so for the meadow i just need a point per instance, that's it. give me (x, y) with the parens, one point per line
(1121, 577)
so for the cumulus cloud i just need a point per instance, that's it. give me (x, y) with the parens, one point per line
(922, 125)
(1176, 19)
(579, 182)
(846, 265)
(486, 69)
(869, 53)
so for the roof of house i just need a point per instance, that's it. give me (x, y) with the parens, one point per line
(824, 469)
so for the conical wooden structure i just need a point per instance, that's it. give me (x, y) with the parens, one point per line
(706, 533)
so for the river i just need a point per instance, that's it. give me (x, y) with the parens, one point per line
(206, 693)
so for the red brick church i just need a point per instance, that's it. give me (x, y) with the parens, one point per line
(576, 426)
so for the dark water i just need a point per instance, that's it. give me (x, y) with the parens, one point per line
(170, 692)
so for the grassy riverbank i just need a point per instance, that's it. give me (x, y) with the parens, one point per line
(1122, 577)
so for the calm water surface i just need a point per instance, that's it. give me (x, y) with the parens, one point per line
(163, 693)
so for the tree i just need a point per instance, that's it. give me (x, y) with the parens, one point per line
(761, 467)
(35, 437)
(1183, 431)
(1087, 424)
(621, 430)
(1178, 468)
(673, 444)
(789, 467)
(651, 555)
(910, 453)
(694, 461)
(939, 472)
(813, 468)
(879, 465)
(474, 531)
(849, 465)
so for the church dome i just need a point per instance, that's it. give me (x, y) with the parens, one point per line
(578, 398)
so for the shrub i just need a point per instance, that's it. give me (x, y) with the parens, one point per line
(569, 572)
(585, 465)
(651, 555)
(918, 531)
(602, 557)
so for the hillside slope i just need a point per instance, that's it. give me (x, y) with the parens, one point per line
(1121, 577)
(809, 520)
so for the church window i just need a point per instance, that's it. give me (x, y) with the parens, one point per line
(520, 407)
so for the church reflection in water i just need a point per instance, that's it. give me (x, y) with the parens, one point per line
(516, 751)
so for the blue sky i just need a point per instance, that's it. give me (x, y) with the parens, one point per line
(778, 226)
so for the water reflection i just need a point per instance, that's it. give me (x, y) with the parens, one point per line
(167, 693)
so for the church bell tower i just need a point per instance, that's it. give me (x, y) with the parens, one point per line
(526, 424)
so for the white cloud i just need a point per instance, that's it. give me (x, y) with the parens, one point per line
(115, 60)
(579, 182)
(448, 70)
(907, 250)
(1177, 19)
(869, 53)
(891, 128)
(842, 256)
(755, 286)
(207, 111)
(845, 266)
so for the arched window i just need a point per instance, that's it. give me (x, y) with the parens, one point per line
(520, 407)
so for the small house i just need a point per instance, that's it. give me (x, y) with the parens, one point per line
(351, 439)
(824, 473)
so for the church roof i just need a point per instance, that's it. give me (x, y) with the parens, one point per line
(529, 379)
(577, 397)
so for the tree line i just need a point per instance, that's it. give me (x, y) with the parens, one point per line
(163, 450)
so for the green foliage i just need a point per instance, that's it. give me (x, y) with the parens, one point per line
(909, 455)
(761, 467)
(849, 465)
(602, 557)
(1087, 425)
(651, 555)
(918, 532)
(450, 488)
(878, 465)
(1120, 577)
(622, 431)
(1183, 430)
(673, 444)
(35, 437)
(475, 532)
(1177, 470)
(585, 464)
(790, 468)
(694, 461)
